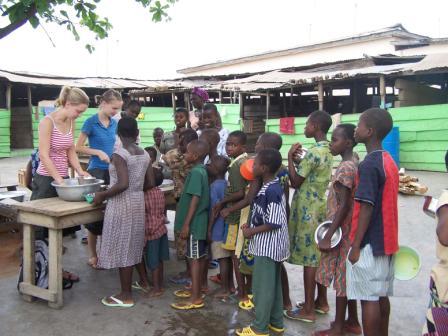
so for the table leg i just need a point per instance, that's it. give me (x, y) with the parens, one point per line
(55, 267)
(28, 258)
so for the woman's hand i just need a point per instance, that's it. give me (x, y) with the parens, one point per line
(353, 255)
(84, 173)
(59, 180)
(103, 156)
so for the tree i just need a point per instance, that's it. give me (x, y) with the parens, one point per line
(73, 14)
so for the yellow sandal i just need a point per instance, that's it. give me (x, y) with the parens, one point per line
(247, 331)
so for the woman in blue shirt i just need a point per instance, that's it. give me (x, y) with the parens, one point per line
(100, 131)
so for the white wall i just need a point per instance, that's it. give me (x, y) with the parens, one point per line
(431, 49)
(321, 55)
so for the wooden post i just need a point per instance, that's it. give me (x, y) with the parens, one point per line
(173, 100)
(187, 100)
(241, 100)
(28, 258)
(268, 104)
(320, 96)
(354, 93)
(8, 97)
(291, 97)
(55, 267)
(220, 97)
(284, 103)
(382, 91)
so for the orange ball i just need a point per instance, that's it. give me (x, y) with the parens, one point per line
(247, 170)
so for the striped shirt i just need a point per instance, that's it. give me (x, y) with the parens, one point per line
(269, 207)
(154, 214)
(59, 145)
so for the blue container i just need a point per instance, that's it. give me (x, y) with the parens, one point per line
(391, 143)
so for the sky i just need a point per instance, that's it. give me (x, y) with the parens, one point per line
(205, 31)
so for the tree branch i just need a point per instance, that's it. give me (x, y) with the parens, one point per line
(5, 31)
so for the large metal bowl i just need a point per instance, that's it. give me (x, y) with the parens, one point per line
(321, 231)
(72, 191)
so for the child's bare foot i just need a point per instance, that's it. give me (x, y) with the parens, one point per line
(319, 308)
(93, 262)
(155, 293)
(327, 332)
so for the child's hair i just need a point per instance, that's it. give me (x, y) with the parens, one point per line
(322, 118)
(108, 96)
(378, 119)
(158, 176)
(152, 153)
(212, 135)
(271, 140)
(200, 147)
(127, 127)
(72, 95)
(240, 135)
(349, 132)
(157, 129)
(222, 163)
(210, 107)
(270, 158)
(188, 135)
(134, 107)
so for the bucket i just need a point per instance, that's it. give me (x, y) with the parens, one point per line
(407, 263)
(391, 143)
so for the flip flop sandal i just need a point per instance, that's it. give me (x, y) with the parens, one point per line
(117, 303)
(215, 278)
(137, 286)
(246, 305)
(319, 310)
(294, 315)
(349, 329)
(247, 331)
(276, 329)
(213, 264)
(187, 305)
(182, 293)
(67, 284)
(180, 281)
(250, 296)
(203, 290)
(84, 240)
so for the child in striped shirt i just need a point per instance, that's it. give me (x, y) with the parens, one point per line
(268, 231)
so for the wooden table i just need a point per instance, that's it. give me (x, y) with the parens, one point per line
(54, 214)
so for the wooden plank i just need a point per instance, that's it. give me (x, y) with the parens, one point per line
(28, 259)
(34, 291)
(241, 101)
(173, 100)
(60, 222)
(268, 104)
(56, 207)
(382, 91)
(55, 267)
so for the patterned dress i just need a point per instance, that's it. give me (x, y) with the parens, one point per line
(124, 220)
(309, 205)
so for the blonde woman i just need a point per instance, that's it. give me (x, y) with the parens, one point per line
(57, 150)
(100, 130)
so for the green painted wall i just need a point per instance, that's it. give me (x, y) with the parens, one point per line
(5, 133)
(153, 117)
(423, 135)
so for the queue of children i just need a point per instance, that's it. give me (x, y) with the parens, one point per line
(247, 224)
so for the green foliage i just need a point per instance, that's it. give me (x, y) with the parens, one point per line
(83, 15)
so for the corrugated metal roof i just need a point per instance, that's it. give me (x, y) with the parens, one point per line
(99, 82)
(278, 79)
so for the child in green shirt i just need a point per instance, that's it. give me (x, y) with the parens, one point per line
(192, 222)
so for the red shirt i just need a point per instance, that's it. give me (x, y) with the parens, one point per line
(377, 184)
(155, 214)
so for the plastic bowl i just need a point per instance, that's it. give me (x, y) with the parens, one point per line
(321, 231)
(247, 170)
(407, 263)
